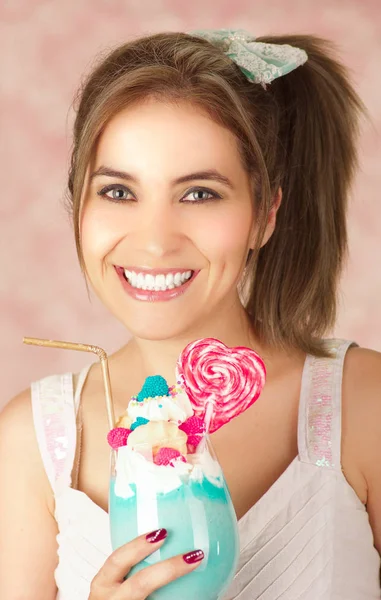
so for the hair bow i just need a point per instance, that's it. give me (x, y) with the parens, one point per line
(260, 62)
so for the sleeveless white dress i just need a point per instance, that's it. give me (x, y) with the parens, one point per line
(307, 538)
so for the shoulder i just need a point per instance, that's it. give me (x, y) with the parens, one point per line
(362, 380)
(361, 399)
(362, 424)
(16, 419)
(19, 450)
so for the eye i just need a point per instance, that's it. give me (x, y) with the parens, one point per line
(200, 195)
(116, 193)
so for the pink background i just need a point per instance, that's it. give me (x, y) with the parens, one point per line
(45, 48)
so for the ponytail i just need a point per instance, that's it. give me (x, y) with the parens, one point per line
(312, 158)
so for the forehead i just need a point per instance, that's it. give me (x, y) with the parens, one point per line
(167, 136)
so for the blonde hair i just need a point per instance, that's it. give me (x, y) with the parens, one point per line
(298, 134)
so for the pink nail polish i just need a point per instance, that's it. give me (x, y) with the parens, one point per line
(156, 536)
(193, 557)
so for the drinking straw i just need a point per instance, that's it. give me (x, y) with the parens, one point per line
(84, 348)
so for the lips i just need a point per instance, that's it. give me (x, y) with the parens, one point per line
(159, 282)
(155, 284)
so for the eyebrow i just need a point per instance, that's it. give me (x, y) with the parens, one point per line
(208, 175)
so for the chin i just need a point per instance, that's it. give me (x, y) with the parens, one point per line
(159, 330)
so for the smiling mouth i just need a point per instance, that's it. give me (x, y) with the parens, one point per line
(158, 282)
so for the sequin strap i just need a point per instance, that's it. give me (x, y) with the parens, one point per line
(55, 425)
(319, 431)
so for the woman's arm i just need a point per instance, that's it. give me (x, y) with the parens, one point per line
(28, 548)
(362, 424)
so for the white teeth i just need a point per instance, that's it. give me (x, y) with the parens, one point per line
(159, 282)
(185, 276)
(150, 282)
(169, 279)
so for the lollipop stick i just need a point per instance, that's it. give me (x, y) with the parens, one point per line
(84, 348)
(208, 415)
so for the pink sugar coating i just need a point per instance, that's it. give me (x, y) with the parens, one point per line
(194, 428)
(166, 455)
(117, 437)
(193, 425)
(194, 440)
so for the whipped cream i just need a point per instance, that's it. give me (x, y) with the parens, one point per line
(132, 468)
(205, 466)
(175, 409)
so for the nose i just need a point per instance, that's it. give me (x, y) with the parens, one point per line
(158, 234)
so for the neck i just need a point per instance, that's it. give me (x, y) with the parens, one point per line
(158, 357)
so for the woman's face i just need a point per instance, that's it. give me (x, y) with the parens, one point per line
(167, 221)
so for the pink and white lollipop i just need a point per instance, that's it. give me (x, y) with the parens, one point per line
(221, 382)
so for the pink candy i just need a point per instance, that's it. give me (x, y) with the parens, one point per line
(194, 428)
(231, 379)
(165, 456)
(117, 437)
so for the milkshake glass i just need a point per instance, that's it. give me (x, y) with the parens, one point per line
(191, 500)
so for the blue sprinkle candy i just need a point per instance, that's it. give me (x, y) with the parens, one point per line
(155, 385)
(138, 422)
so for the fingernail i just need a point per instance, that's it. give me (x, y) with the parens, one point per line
(156, 536)
(193, 557)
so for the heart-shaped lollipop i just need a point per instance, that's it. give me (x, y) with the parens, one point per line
(229, 380)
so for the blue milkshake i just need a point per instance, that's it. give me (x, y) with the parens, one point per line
(173, 482)
(197, 515)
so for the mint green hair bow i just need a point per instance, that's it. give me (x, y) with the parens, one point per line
(260, 62)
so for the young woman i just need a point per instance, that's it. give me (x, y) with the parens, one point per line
(208, 187)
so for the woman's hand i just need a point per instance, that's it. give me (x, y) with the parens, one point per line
(109, 582)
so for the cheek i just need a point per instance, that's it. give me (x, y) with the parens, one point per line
(226, 236)
(100, 231)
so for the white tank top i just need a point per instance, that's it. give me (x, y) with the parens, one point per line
(307, 538)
